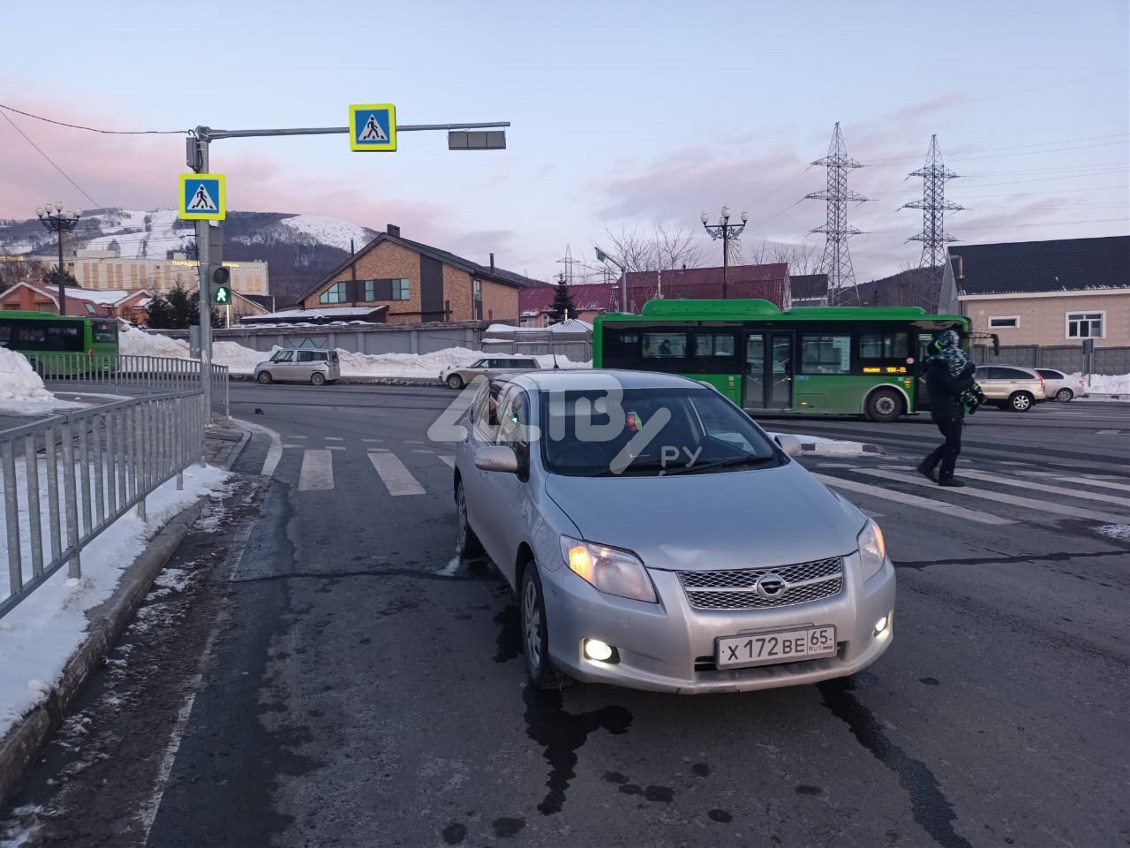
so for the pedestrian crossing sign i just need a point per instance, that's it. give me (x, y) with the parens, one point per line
(202, 197)
(372, 127)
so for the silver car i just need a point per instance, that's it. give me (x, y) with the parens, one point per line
(657, 538)
(300, 366)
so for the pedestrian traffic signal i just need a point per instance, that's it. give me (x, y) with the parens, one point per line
(221, 291)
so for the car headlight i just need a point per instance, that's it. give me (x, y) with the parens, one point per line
(612, 571)
(872, 549)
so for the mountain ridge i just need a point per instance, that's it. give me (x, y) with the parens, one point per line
(299, 249)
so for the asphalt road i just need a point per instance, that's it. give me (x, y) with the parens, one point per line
(325, 672)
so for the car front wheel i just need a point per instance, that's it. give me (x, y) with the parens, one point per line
(455, 382)
(469, 544)
(1020, 402)
(1064, 395)
(264, 377)
(535, 633)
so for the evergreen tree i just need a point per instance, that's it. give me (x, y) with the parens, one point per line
(178, 310)
(52, 278)
(563, 306)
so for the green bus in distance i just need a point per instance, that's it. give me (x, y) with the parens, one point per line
(61, 346)
(810, 360)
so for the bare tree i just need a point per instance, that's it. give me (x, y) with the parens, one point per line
(801, 258)
(664, 248)
(20, 271)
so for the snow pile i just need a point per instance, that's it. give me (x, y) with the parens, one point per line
(39, 635)
(1105, 384)
(137, 342)
(18, 380)
(406, 364)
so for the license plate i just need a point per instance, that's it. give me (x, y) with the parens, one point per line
(809, 643)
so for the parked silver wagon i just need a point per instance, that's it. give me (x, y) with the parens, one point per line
(658, 538)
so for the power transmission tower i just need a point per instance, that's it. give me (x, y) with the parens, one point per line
(568, 261)
(837, 258)
(933, 205)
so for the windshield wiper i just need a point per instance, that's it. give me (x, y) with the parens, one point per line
(632, 466)
(728, 462)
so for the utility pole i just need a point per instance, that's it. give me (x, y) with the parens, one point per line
(934, 206)
(837, 259)
(198, 161)
(59, 220)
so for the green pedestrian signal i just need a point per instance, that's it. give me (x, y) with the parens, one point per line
(221, 292)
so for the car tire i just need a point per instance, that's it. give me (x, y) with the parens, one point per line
(535, 633)
(318, 378)
(454, 381)
(884, 405)
(469, 544)
(264, 377)
(1020, 401)
(1064, 395)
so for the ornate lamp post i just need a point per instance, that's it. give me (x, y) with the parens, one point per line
(59, 220)
(725, 230)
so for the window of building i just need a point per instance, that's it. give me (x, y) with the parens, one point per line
(1085, 325)
(1001, 322)
(385, 289)
(337, 293)
(825, 354)
(889, 345)
(477, 290)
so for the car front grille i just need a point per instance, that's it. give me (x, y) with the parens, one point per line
(736, 589)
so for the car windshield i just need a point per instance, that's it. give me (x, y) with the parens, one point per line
(649, 432)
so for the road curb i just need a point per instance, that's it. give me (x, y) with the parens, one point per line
(842, 448)
(21, 746)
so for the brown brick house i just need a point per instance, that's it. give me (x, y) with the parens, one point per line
(419, 283)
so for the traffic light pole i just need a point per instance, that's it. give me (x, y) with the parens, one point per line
(203, 256)
(458, 139)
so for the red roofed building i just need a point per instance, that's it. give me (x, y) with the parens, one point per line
(768, 282)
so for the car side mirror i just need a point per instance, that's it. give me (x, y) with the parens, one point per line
(789, 444)
(497, 458)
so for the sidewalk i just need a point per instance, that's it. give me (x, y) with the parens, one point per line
(21, 745)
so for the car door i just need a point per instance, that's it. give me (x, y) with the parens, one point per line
(482, 428)
(283, 367)
(506, 497)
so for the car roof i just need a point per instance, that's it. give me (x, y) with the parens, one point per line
(580, 379)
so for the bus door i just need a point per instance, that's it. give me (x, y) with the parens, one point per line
(768, 381)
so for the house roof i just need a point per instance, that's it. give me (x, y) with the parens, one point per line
(486, 272)
(745, 281)
(100, 297)
(1042, 266)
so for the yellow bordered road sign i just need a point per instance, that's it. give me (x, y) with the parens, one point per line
(372, 127)
(203, 197)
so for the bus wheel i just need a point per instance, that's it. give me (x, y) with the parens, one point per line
(884, 405)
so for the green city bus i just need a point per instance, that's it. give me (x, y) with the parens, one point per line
(61, 346)
(812, 360)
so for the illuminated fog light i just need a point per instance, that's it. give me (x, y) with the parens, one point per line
(597, 650)
(881, 624)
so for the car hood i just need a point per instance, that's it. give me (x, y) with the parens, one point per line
(712, 521)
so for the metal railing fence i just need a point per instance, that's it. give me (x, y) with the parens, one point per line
(132, 374)
(68, 478)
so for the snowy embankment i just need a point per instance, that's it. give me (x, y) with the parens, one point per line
(242, 360)
(22, 391)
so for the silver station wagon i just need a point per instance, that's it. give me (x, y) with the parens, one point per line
(657, 538)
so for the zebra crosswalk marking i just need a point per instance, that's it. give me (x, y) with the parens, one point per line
(1051, 490)
(396, 477)
(1001, 497)
(913, 500)
(1102, 484)
(317, 472)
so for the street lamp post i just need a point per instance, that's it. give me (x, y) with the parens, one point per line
(725, 230)
(59, 220)
(601, 256)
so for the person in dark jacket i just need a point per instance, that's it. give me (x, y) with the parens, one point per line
(949, 373)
